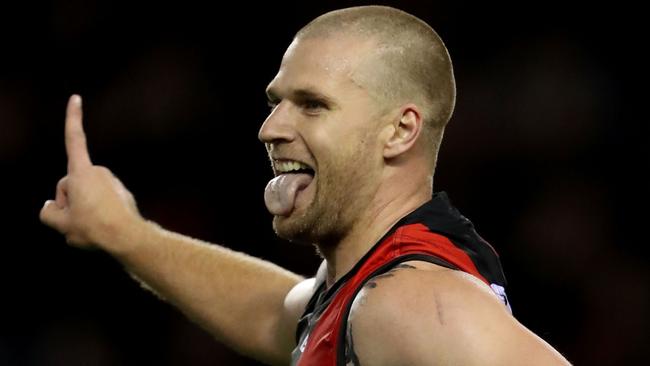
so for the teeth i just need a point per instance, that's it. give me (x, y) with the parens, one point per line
(289, 166)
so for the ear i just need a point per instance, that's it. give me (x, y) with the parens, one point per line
(404, 131)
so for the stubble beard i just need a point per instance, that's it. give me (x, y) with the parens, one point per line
(342, 193)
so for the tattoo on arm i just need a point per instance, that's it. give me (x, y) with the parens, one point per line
(373, 282)
(351, 358)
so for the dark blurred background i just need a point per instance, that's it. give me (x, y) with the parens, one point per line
(547, 154)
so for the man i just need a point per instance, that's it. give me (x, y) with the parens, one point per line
(359, 107)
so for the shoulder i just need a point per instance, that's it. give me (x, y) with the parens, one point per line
(417, 286)
(421, 313)
(298, 297)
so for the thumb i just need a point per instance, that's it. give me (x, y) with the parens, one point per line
(54, 216)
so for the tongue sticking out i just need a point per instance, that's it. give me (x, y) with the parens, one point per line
(280, 194)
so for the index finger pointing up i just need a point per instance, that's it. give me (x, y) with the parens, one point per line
(75, 138)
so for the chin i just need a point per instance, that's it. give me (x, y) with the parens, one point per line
(292, 230)
(310, 228)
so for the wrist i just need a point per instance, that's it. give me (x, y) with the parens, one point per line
(123, 239)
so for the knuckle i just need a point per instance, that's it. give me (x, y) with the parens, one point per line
(63, 181)
(102, 169)
(42, 215)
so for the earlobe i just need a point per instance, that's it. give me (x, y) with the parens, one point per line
(405, 132)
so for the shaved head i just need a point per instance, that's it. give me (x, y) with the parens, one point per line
(361, 100)
(409, 62)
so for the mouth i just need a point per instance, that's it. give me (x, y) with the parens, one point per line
(286, 166)
(292, 188)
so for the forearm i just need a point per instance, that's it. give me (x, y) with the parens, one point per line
(236, 297)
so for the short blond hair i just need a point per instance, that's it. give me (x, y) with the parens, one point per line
(413, 64)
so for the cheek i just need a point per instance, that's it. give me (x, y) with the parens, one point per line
(342, 137)
(326, 142)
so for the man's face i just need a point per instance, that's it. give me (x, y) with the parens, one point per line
(325, 120)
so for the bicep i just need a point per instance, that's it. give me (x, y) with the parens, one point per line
(285, 328)
(286, 324)
(479, 330)
(483, 332)
(442, 318)
(296, 302)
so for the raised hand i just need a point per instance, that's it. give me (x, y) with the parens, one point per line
(91, 207)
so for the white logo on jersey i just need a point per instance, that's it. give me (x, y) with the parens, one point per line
(304, 344)
(501, 292)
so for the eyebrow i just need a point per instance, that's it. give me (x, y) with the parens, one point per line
(301, 94)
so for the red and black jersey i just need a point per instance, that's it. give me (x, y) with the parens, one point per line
(435, 232)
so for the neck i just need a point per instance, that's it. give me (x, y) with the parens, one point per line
(380, 216)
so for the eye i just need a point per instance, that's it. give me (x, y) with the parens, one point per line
(313, 105)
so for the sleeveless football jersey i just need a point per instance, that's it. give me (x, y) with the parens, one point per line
(435, 232)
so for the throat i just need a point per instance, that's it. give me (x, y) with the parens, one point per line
(343, 254)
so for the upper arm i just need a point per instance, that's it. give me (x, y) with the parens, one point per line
(283, 330)
(294, 306)
(444, 317)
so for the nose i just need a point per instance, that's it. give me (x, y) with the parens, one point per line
(278, 126)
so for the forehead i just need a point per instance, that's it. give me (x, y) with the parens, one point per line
(327, 64)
